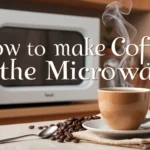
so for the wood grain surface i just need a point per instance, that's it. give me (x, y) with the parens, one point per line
(143, 5)
(47, 113)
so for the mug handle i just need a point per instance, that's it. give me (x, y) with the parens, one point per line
(146, 120)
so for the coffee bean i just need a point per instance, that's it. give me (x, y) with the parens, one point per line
(71, 119)
(60, 131)
(65, 124)
(82, 121)
(86, 120)
(70, 126)
(40, 128)
(75, 122)
(59, 124)
(62, 137)
(52, 125)
(69, 122)
(57, 136)
(62, 128)
(67, 139)
(76, 140)
(74, 131)
(60, 140)
(69, 135)
(31, 127)
(81, 129)
(66, 128)
(53, 138)
(79, 123)
(70, 130)
(78, 128)
(80, 118)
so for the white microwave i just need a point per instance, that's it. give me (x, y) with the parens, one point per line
(22, 27)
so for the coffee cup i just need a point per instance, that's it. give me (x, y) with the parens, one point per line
(123, 108)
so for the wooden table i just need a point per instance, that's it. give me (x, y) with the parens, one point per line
(98, 5)
(44, 113)
(35, 143)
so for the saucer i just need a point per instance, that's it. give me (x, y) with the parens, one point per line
(100, 127)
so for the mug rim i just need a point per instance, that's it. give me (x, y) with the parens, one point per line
(124, 90)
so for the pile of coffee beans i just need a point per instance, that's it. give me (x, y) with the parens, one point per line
(66, 128)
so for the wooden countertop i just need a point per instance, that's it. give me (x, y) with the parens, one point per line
(143, 5)
(47, 113)
(31, 143)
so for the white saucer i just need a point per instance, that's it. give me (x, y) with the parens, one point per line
(100, 127)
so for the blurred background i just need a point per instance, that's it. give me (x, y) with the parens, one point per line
(139, 18)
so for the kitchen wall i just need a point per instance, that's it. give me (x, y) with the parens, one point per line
(142, 23)
(138, 19)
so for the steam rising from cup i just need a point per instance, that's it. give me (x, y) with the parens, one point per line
(115, 11)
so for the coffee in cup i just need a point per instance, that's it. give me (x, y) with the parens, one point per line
(123, 108)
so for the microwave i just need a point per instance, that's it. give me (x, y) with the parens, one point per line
(44, 30)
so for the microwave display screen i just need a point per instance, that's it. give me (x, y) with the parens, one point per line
(46, 38)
